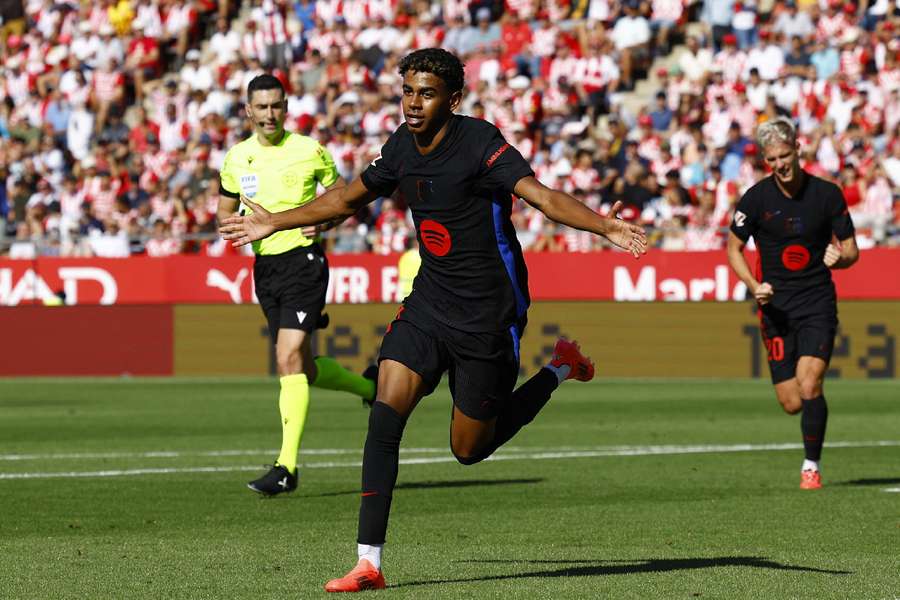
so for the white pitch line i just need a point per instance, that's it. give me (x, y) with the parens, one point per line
(896, 489)
(610, 450)
(553, 454)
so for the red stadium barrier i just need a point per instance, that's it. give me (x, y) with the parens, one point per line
(362, 278)
(86, 340)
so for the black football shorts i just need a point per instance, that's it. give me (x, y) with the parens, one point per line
(788, 338)
(291, 288)
(482, 367)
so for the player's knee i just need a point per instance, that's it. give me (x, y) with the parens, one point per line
(467, 453)
(791, 407)
(288, 363)
(810, 388)
(468, 459)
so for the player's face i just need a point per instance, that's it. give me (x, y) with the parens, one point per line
(782, 159)
(268, 109)
(427, 103)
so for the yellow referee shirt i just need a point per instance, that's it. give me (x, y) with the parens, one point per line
(278, 178)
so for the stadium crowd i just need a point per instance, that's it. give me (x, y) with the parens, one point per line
(116, 115)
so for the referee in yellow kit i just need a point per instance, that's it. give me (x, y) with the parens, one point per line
(281, 170)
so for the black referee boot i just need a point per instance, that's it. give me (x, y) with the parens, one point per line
(276, 481)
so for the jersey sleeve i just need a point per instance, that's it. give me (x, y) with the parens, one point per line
(227, 185)
(841, 223)
(745, 221)
(381, 176)
(502, 166)
(325, 171)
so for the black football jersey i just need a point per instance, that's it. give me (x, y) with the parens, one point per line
(791, 236)
(473, 276)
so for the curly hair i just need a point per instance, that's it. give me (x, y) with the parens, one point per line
(436, 61)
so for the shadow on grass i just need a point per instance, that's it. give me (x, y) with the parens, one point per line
(429, 485)
(587, 568)
(876, 481)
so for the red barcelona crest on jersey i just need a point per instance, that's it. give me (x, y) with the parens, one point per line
(795, 257)
(435, 237)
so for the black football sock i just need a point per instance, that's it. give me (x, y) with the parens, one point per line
(523, 406)
(812, 424)
(381, 456)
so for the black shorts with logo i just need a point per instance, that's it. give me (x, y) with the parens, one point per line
(483, 367)
(788, 337)
(291, 288)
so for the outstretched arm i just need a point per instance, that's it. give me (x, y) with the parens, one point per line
(337, 203)
(565, 209)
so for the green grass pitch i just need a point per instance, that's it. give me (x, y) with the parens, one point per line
(619, 489)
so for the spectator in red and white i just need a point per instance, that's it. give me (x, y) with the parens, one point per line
(887, 44)
(631, 36)
(181, 18)
(157, 162)
(731, 60)
(142, 128)
(196, 76)
(840, 109)
(253, 44)
(853, 55)
(101, 191)
(891, 164)
(426, 32)
(664, 17)
(704, 225)
(785, 90)
(583, 177)
(757, 90)
(391, 229)
(161, 243)
(147, 19)
(719, 121)
(767, 57)
(85, 44)
(876, 211)
(543, 42)
(18, 82)
(144, 61)
(834, 22)
(664, 163)
(107, 91)
(110, 47)
(270, 18)
(598, 76)
(455, 9)
(515, 39)
(174, 130)
(79, 130)
(695, 61)
(521, 141)
(224, 45)
(564, 64)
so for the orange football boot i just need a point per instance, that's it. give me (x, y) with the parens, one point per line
(810, 480)
(363, 577)
(568, 353)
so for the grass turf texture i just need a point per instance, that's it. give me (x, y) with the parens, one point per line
(707, 525)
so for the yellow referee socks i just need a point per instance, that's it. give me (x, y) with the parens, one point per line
(333, 376)
(293, 402)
